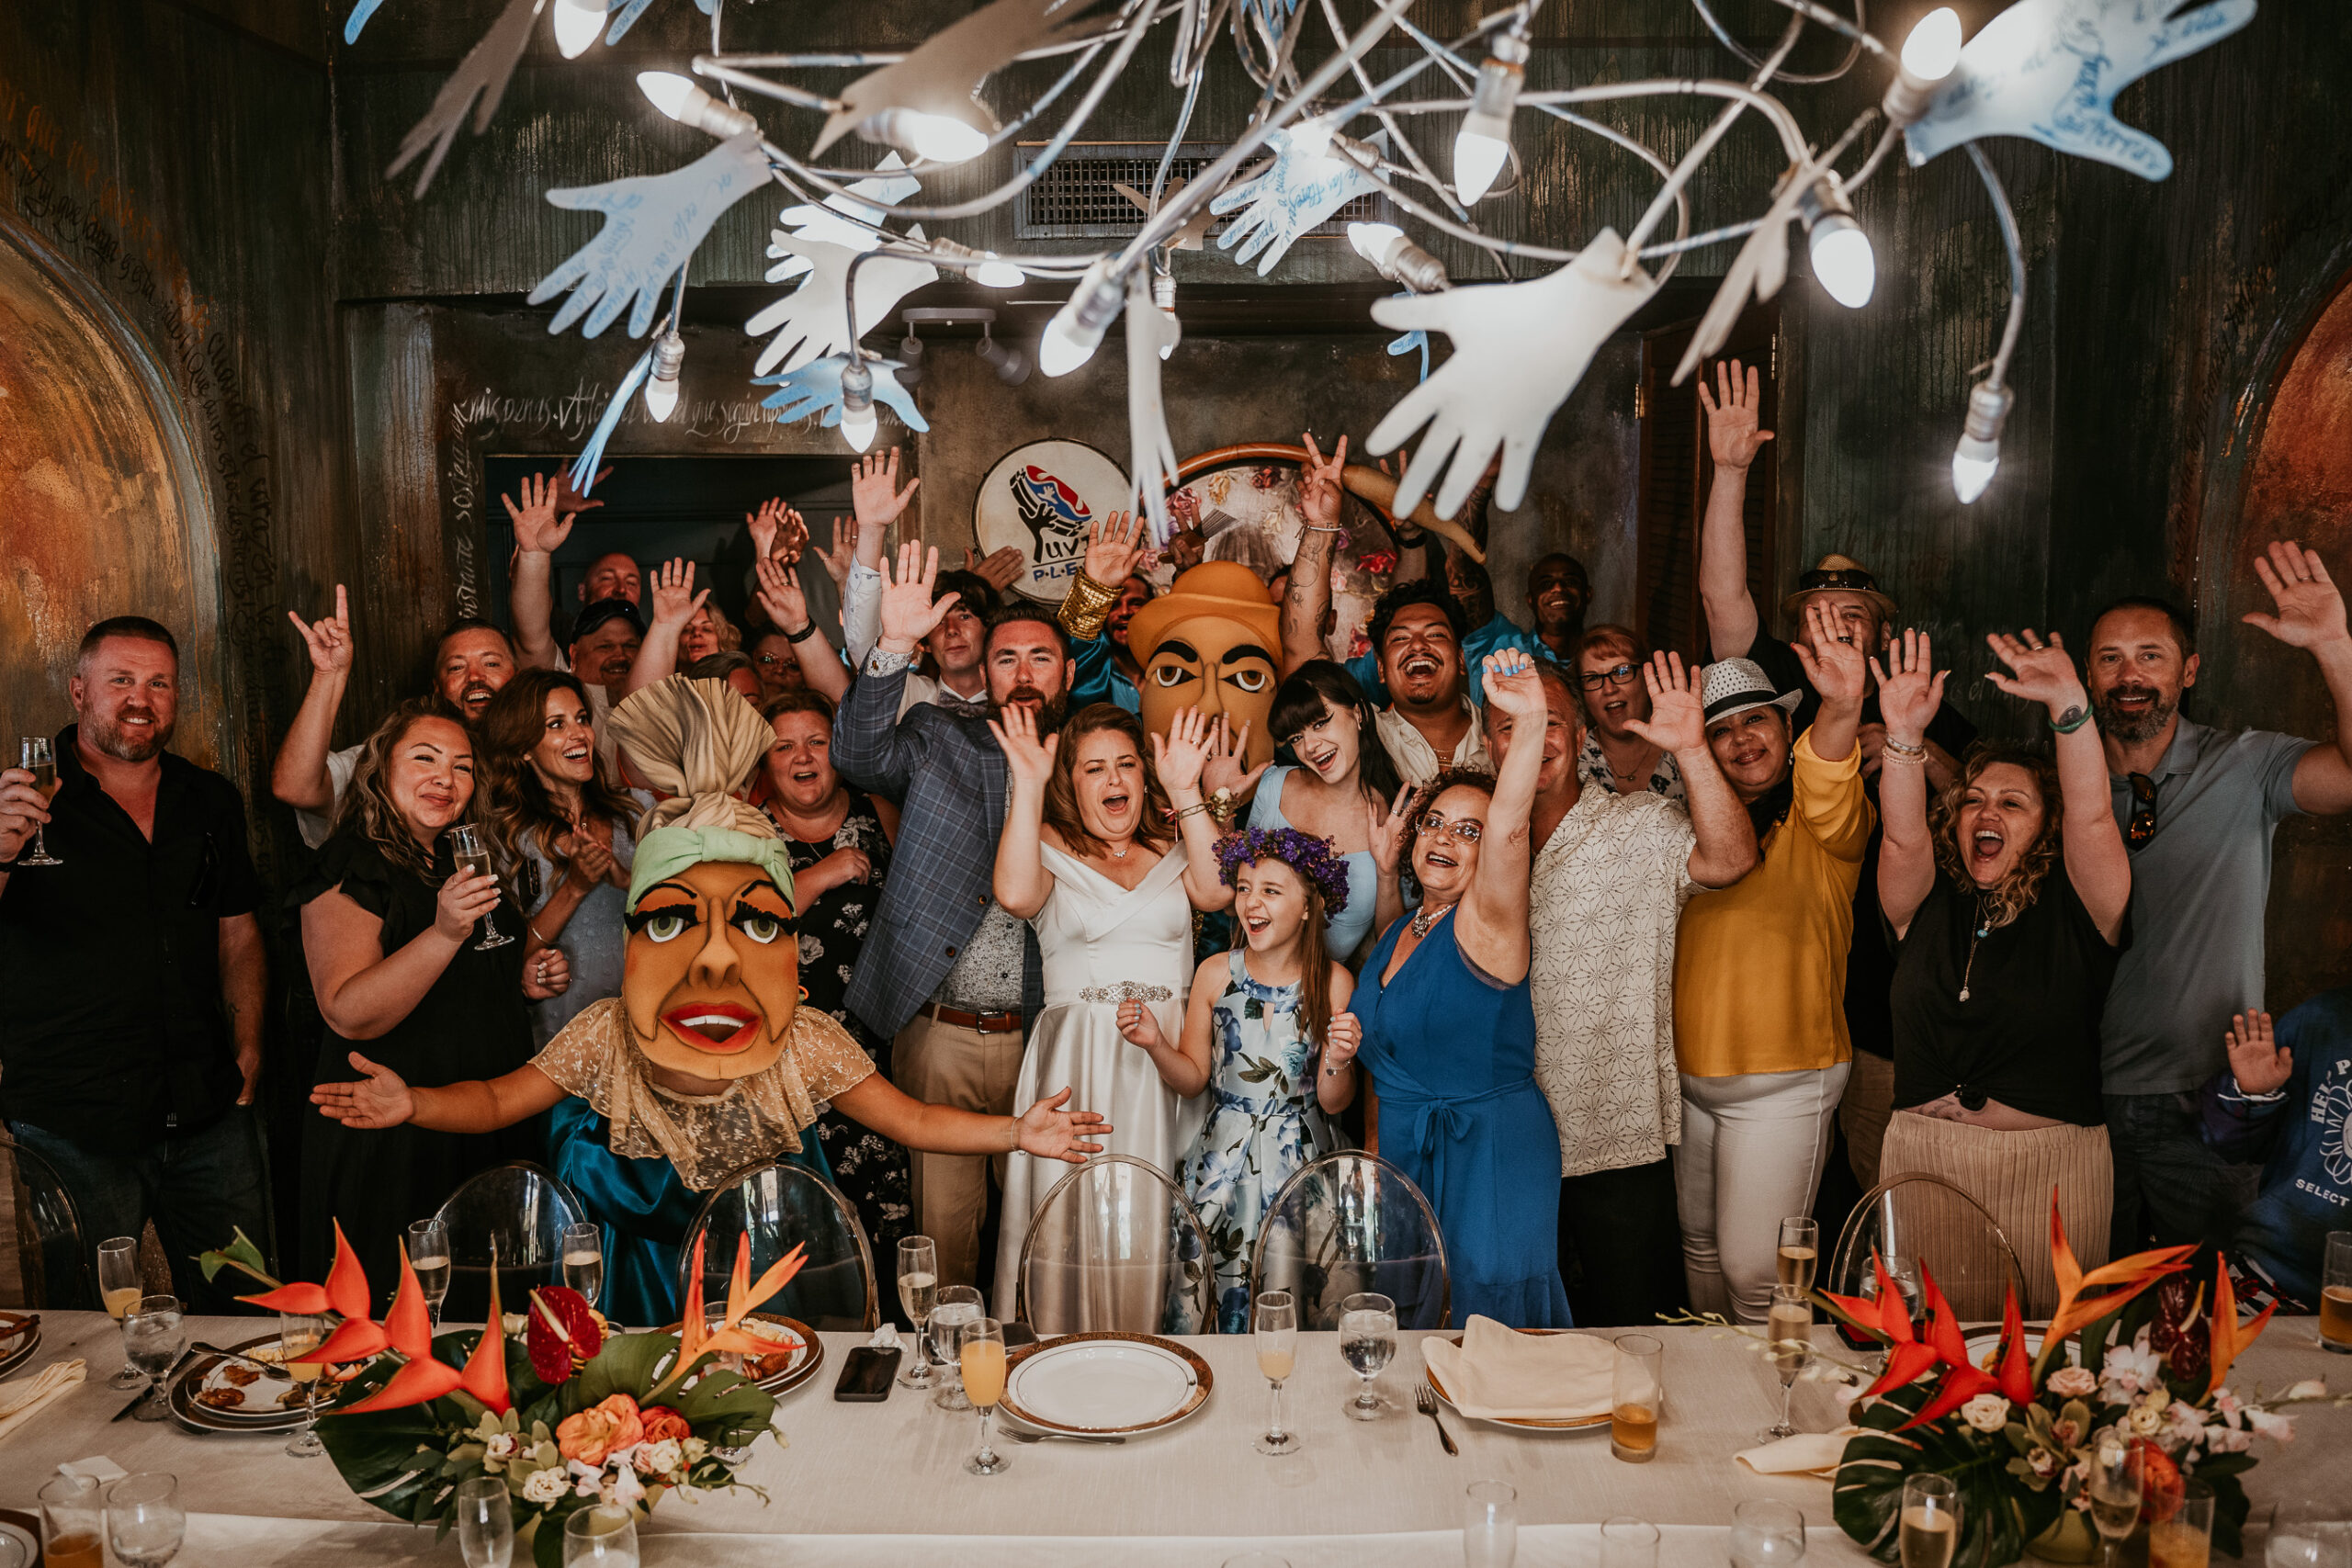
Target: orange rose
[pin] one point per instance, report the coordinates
(592, 1435)
(661, 1422)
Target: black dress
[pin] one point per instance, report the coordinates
(473, 1023)
(871, 1170)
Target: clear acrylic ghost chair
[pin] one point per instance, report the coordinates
(522, 1209)
(48, 1263)
(1913, 1218)
(1353, 1222)
(1114, 1247)
(780, 1207)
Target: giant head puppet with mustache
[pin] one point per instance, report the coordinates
(1213, 642)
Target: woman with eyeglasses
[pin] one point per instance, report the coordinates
(1449, 1030)
(1616, 756)
(1342, 788)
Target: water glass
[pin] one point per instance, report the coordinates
(583, 1260)
(485, 1515)
(73, 1525)
(958, 1306)
(1929, 1521)
(2184, 1537)
(1274, 1322)
(299, 1334)
(34, 755)
(144, 1519)
(1637, 1397)
(1490, 1525)
(1628, 1542)
(918, 1294)
(980, 1351)
(1766, 1535)
(429, 1254)
(119, 1289)
(601, 1534)
(154, 1333)
(2300, 1537)
(2335, 1294)
(1367, 1343)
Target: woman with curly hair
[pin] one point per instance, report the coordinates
(2003, 968)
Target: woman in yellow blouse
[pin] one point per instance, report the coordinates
(1759, 971)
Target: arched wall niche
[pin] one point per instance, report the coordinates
(102, 508)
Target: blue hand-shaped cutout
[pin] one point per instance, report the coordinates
(592, 456)
(815, 388)
(653, 224)
(1412, 339)
(359, 20)
(1300, 191)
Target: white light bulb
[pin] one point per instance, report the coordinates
(662, 389)
(1478, 157)
(1168, 348)
(940, 139)
(670, 92)
(858, 427)
(1373, 240)
(1971, 475)
(1842, 260)
(1067, 345)
(660, 400)
(1076, 331)
(1933, 47)
(998, 275)
(577, 23)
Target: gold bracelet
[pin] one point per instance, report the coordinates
(1086, 607)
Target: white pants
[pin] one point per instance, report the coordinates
(1751, 1155)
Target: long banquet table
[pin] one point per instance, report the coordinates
(872, 1484)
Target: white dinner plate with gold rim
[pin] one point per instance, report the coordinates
(22, 1338)
(1516, 1423)
(1105, 1384)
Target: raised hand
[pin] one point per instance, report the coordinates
(1734, 415)
(1838, 669)
(874, 490)
(1187, 547)
(569, 502)
(1229, 766)
(2256, 1060)
(1677, 721)
(2310, 607)
(907, 613)
(1387, 833)
(2042, 672)
(1318, 482)
(1027, 759)
(541, 524)
(998, 569)
(1910, 689)
(1137, 1026)
(1342, 1040)
(1048, 1131)
(841, 557)
(1178, 756)
(590, 859)
(673, 593)
(780, 595)
(328, 637)
(1513, 687)
(765, 523)
(379, 1099)
(1112, 547)
(549, 975)
(463, 900)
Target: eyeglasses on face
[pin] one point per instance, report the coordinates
(1593, 680)
(2142, 826)
(1466, 831)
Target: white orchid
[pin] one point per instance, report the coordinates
(2130, 1369)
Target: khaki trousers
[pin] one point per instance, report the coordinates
(948, 1065)
(1861, 1115)
(2011, 1176)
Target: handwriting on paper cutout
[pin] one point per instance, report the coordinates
(652, 223)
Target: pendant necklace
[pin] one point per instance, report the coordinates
(1121, 852)
(1424, 918)
(1979, 932)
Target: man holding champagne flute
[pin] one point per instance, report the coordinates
(133, 968)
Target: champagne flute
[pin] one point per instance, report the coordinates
(154, 1333)
(958, 1305)
(980, 1347)
(1799, 1251)
(429, 1254)
(472, 856)
(1490, 1525)
(1787, 1329)
(1931, 1521)
(918, 1293)
(42, 764)
(1367, 1343)
(583, 1260)
(485, 1511)
(119, 1289)
(144, 1519)
(603, 1534)
(299, 1334)
(1274, 1320)
(2115, 1481)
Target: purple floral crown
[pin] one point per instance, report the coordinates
(1311, 857)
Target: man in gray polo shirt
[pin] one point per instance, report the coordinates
(2197, 807)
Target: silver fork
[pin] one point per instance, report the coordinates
(1425, 1401)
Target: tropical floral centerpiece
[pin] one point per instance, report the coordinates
(2119, 1362)
(571, 1417)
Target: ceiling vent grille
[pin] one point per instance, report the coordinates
(1077, 198)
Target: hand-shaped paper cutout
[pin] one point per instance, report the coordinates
(943, 74)
(2049, 70)
(1297, 193)
(817, 387)
(628, 11)
(1151, 455)
(1519, 350)
(1196, 227)
(359, 20)
(813, 320)
(652, 223)
(1761, 266)
(583, 472)
(832, 221)
(1412, 339)
(485, 71)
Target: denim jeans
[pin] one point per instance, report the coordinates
(2169, 1188)
(199, 1188)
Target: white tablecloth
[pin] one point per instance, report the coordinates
(860, 1484)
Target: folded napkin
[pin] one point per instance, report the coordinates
(1500, 1374)
(28, 1397)
(1807, 1453)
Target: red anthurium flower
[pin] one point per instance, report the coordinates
(419, 1383)
(408, 1327)
(1961, 1384)
(485, 1375)
(355, 1339)
(2017, 1380)
(561, 1332)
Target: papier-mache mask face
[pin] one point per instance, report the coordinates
(711, 974)
(1213, 642)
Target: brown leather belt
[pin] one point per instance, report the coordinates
(984, 1023)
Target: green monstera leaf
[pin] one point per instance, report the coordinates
(1998, 1514)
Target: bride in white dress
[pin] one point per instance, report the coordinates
(1089, 858)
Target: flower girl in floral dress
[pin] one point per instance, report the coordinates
(1267, 1033)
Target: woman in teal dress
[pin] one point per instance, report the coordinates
(1448, 1032)
(1342, 789)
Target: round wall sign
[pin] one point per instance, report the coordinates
(1042, 500)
